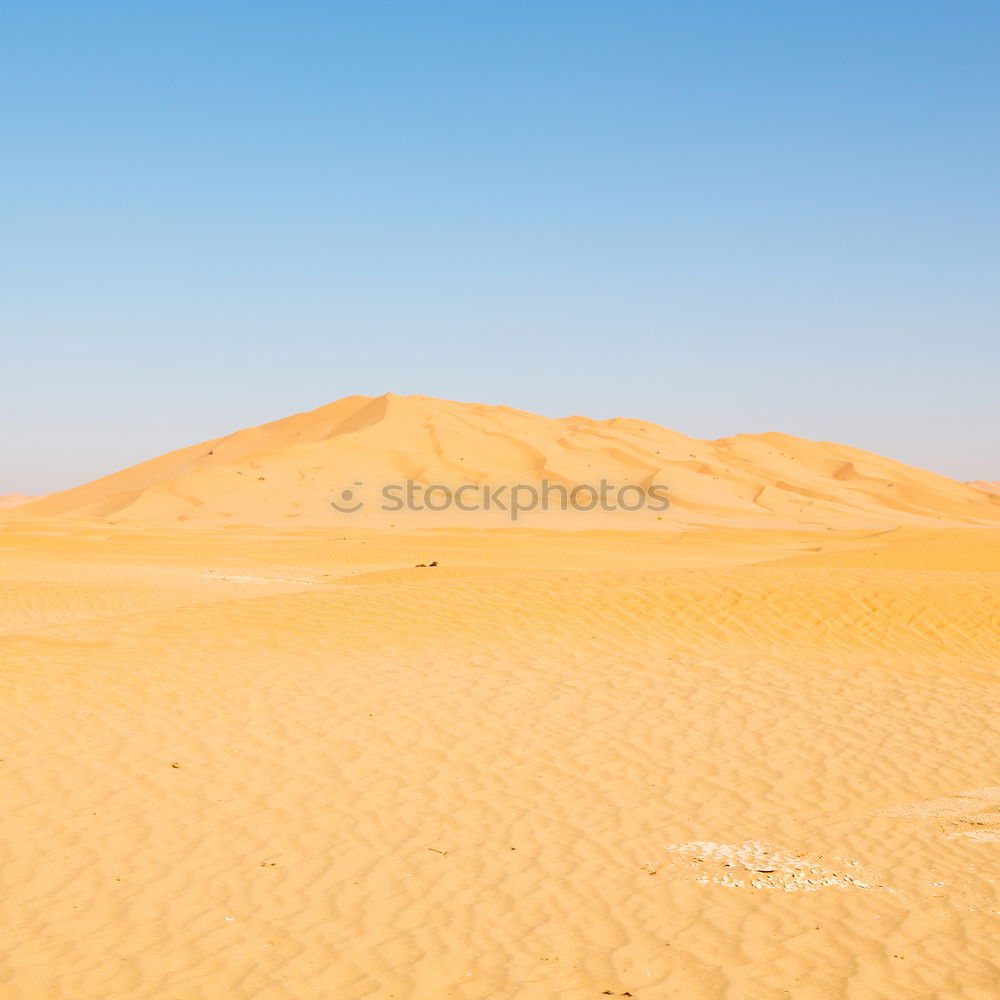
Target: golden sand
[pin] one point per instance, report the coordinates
(14, 500)
(726, 757)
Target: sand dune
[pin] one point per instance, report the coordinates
(289, 470)
(980, 484)
(14, 500)
(746, 753)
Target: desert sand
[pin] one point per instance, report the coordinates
(986, 487)
(745, 748)
(287, 471)
(15, 500)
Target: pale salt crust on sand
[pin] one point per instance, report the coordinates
(748, 760)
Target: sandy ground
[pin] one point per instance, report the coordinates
(288, 764)
(743, 748)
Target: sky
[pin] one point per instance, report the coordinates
(724, 217)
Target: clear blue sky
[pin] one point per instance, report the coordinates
(724, 217)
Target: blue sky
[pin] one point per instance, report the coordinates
(724, 217)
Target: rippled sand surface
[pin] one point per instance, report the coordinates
(284, 765)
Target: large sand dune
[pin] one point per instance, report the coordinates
(733, 755)
(289, 470)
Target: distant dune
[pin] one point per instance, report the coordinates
(980, 484)
(288, 471)
(14, 500)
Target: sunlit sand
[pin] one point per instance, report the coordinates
(745, 748)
